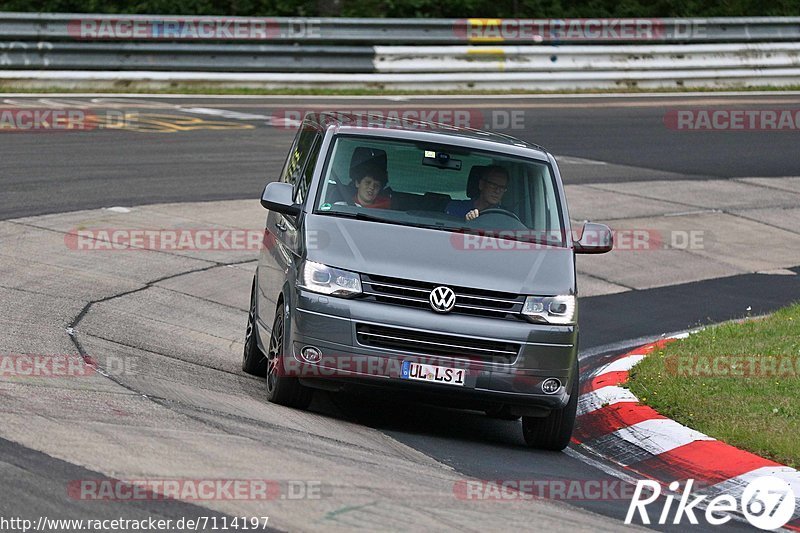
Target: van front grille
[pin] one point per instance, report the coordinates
(408, 293)
(436, 344)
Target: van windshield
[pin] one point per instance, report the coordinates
(443, 187)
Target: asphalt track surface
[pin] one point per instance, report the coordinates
(49, 173)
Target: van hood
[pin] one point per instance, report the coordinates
(440, 257)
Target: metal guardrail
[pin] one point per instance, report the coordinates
(587, 58)
(61, 27)
(403, 54)
(186, 57)
(399, 59)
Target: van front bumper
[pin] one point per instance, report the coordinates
(331, 324)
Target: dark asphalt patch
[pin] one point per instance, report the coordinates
(633, 314)
(35, 484)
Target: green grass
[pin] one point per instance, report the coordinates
(134, 88)
(755, 410)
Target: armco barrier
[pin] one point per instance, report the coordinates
(420, 54)
(56, 26)
(586, 58)
(188, 57)
(402, 59)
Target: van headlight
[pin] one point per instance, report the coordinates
(551, 309)
(317, 277)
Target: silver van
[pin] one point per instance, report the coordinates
(433, 260)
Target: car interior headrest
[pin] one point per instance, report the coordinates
(364, 156)
(475, 174)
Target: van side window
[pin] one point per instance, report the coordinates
(298, 154)
(304, 183)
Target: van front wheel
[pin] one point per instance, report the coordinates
(283, 389)
(554, 431)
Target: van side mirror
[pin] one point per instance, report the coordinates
(595, 239)
(278, 197)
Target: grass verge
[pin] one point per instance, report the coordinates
(736, 382)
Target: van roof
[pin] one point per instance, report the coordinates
(374, 121)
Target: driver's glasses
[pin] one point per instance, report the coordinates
(497, 187)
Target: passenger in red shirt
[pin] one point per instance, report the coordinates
(369, 184)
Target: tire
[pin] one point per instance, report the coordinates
(281, 389)
(554, 431)
(253, 359)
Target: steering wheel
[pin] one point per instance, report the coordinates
(500, 211)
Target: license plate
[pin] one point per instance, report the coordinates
(433, 373)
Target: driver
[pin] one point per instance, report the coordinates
(492, 186)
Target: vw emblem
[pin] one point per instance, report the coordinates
(442, 299)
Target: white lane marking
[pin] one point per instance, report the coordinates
(777, 272)
(620, 365)
(224, 113)
(555, 96)
(694, 212)
(786, 473)
(570, 160)
(126, 102)
(592, 401)
(284, 122)
(659, 435)
(735, 486)
(48, 103)
(631, 344)
(117, 209)
(55, 103)
(107, 103)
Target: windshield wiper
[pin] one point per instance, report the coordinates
(358, 216)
